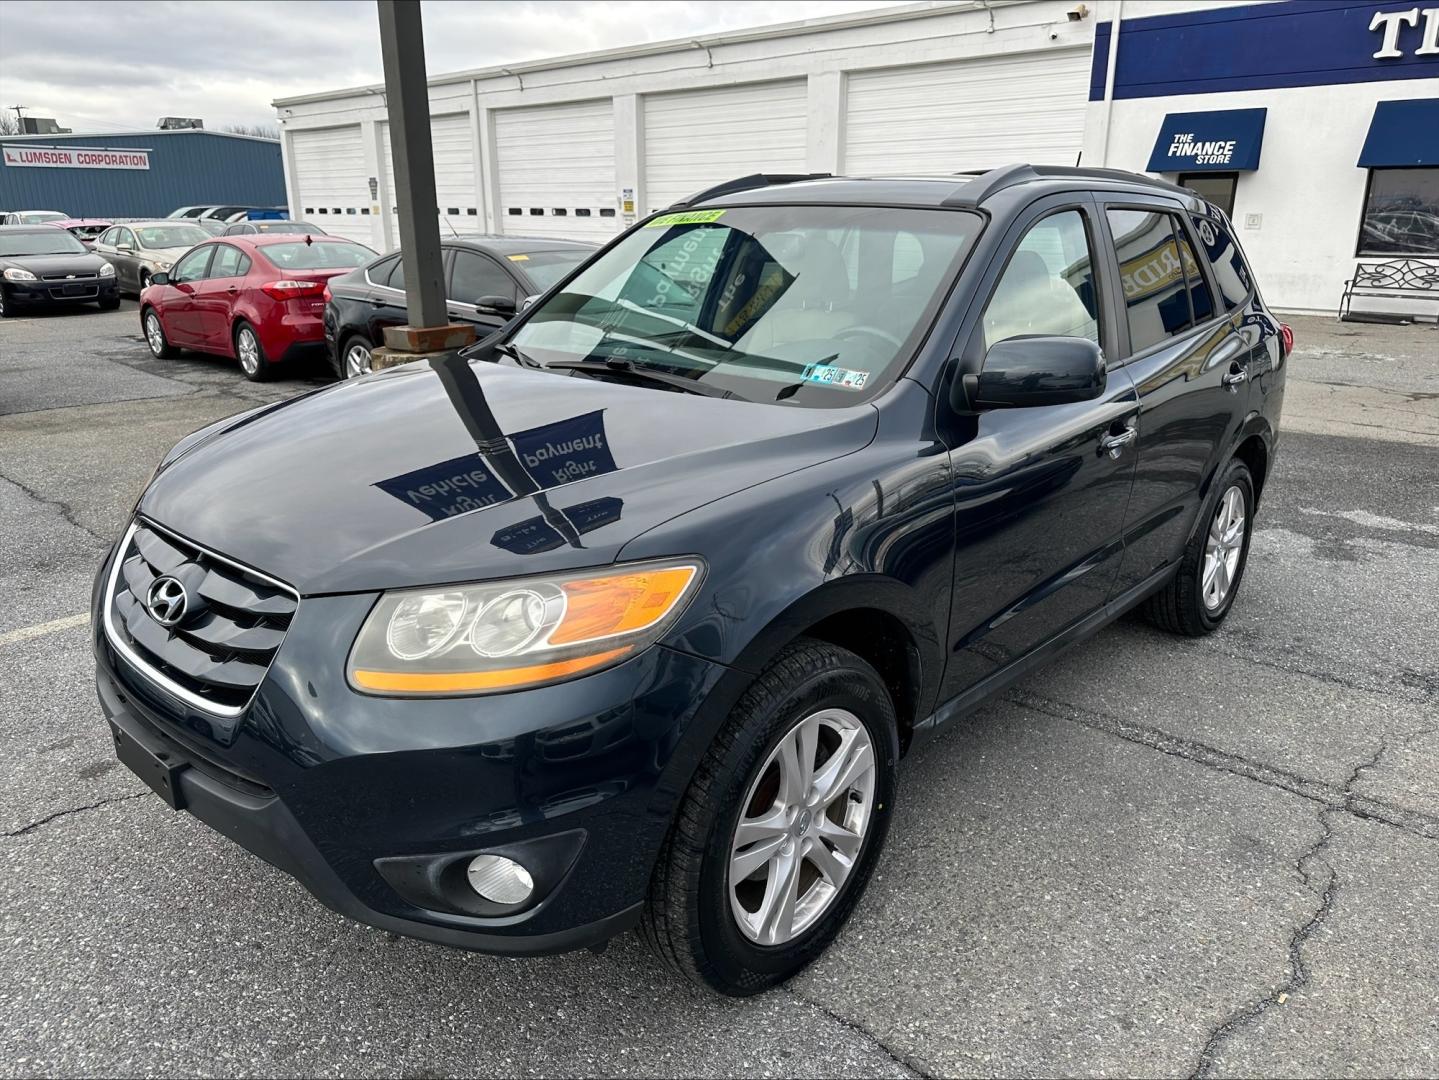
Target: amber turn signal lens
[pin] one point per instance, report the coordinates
(608, 606)
(460, 682)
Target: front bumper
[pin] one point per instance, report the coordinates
(350, 794)
(32, 293)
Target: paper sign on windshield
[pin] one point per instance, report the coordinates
(688, 217)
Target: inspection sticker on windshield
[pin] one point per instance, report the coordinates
(843, 378)
(688, 217)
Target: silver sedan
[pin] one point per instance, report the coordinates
(140, 249)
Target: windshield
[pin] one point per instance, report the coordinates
(39, 217)
(321, 255)
(810, 305)
(545, 268)
(87, 232)
(171, 236)
(46, 242)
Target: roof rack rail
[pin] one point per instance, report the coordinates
(747, 183)
(974, 192)
(1109, 174)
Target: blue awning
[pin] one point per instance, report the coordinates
(1402, 133)
(1225, 140)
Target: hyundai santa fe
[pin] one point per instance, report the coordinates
(624, 617)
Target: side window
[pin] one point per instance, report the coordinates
(1048, 286)
(380, 272)
(1201, 300)
(227, 262)
(1231, 273)
(396, 280)
(475, 276)
(124, 238)
(244, 267)
(1155, 296)
(192, 266)
(107, 237)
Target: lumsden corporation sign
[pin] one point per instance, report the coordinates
(75, 157)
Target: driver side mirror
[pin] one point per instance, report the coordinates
(161, 278)
(1023, 372)
(496, 305)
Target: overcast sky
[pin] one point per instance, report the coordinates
(121, 64)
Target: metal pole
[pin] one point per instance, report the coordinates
(402, 48)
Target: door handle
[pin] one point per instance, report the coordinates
(1114, 443)
(232, 289)
(1235, 375)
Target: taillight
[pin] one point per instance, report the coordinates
(292, 290)
(1286, 335)
(326, 294)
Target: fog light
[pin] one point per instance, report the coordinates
(499, 879)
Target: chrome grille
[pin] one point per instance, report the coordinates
(234, 620)
(68, 277)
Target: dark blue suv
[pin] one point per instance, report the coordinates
(625, 618)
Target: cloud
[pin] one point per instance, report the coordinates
(119, 66)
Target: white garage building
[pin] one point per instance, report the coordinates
(579, 146)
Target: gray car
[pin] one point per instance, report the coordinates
(140, 249)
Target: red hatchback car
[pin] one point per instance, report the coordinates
(258, 299)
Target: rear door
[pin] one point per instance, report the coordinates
(384, 299)
(1040, 492)
(1180, 346)
(216, 295)
(474, 275)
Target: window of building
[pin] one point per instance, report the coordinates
(1155, 275)
(1217, 187)
(1401, 213)
(1048, 286)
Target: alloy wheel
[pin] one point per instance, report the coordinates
(802, 827)
(153, 334)
(1222, 548)
(357, 360)
(249, 349)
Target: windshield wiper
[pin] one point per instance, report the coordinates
(643, 373)
(508, 349)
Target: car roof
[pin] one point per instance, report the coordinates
(44, 228)
(142, 223)
(952, 191)
(505, 245)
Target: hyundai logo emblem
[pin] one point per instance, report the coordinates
(167, 600)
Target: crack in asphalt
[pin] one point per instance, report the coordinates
(24, 829)
(904, 1061)
(1299, 971)
(66, 511)
(1413, 822)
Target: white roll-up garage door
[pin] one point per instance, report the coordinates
(556, 168)
(973, 114)
(456, 190)
(334, 191)
(702, 137)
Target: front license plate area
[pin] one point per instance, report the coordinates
(158, 767)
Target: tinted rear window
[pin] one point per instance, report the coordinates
(321, 255)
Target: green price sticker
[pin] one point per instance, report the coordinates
(689, 217)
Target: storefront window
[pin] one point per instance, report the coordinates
(1401, 213)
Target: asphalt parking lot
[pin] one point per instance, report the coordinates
(1158, 857)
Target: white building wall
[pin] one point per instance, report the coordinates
(824, 53)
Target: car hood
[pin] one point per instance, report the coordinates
(471, 471)
(70, 263)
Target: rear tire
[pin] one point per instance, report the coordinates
(1199, 596)
(253, 363)
(155, 336)
(353, 358)
(727, 935)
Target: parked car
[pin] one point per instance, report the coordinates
(486, 279)
(41, 265)
(257, 299)
(32, 217)
(190, 211)
(223, 214)
(140, 249)
(84, 230)
(252, 227)
(212, 226)
(626, 617)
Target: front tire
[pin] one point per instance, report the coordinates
(155, 337)
(248, 350)
(111, 304)
(780, 829)
(1199, 596)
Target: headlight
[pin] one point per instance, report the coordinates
(161, 265)
(16, 274)
(107, 270)
(505, 635)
